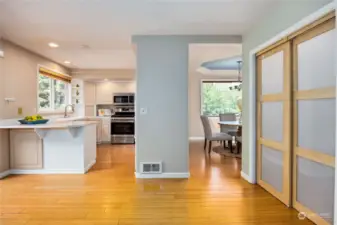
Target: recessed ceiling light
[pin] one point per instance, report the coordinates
(53, 45)
(67, 62)
(85, 46)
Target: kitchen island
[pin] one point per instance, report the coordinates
(57, 147)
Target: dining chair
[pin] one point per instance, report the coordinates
(230, 130)
(210, 136)
(238, 144)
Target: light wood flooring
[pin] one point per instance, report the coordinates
(110, 195)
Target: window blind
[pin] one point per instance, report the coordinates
(55, 75)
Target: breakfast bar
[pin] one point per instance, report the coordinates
(57, 147)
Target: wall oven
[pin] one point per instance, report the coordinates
(120, 99)
(123, 128)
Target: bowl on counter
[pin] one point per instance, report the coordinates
(33, 122)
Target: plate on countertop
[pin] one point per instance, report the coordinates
(33, 122)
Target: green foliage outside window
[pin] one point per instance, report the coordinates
(218, 98)
(52, 93)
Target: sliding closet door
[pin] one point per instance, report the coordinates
(314, 122)
(273, 122)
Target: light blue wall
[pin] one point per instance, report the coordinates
(283, 16)
(162, 88)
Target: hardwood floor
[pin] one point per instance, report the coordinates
(110, 195)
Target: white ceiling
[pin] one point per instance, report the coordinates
(107, 25)
(200, 53)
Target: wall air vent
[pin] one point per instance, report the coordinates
(151, 167)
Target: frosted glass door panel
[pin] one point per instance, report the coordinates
(316, 62)
(272, 74)
(272, 167)
(315, 187)
(272, 121)
(316, 125)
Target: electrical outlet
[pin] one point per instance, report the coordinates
(20, 111)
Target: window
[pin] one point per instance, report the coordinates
(219, 97)
(53, 92)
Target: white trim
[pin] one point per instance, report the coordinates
(91, 164)
(252, 75)
(162, 176)
(4, 174)
(42, 171)
(196, 138)
(246, 177)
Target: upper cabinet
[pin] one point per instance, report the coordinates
(104, 91)
(89, 93)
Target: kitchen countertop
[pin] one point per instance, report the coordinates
(52, 124)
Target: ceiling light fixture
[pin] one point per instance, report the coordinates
(53, 45)
(67, 62)
(106, 79)
(85, 46)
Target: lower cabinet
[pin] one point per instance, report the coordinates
(4, 150)
(25, 150)
(106, 130)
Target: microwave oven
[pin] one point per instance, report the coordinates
(123, 99)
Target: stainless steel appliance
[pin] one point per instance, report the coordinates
(120, 99)
(123, 125)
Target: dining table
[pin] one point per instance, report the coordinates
(237, 124)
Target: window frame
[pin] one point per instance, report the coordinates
(212, 81)
(52, 95)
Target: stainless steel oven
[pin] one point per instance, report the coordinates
(120, 99)
(123, 127)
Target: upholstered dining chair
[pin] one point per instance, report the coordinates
(210, 136)
(228, 129)
(238, 144)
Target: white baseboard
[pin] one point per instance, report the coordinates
(196, 138)
(162, 175)
(44, 171)
(47, 171)
(93, 162)
(5, 174)
(246, 177)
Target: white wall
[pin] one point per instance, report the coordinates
(162, 88)
(20, 78)
(286, 14)
(199, 53)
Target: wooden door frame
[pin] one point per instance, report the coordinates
(285, 147)
(249, 95)
(321, 93)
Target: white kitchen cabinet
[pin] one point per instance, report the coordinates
(105, 90)
(106, 127)
(89, 110)
(25, 150)
(4, 150)
(89, 93)
(98, 127)
(99, 131)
